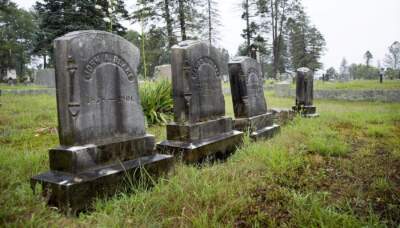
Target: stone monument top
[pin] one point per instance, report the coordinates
(97, 88)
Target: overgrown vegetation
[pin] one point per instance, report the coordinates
(340, 170)
(157, 101)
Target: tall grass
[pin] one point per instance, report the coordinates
(156, 98)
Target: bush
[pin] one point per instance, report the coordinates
(157, 102)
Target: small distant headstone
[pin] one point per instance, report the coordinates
(249, 105)
(200, 128)
(305, 93)
(45, 77)
(101, 122)
(163, 72)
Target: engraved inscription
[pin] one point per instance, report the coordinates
(104, 58)
(119, 100)
(254, 83)
(204, 61)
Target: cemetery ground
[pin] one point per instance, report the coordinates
(339, 170)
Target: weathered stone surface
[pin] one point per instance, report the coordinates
(199, 106)
(247, 87)
(283, 116)
(163, 72)
(305, 93)
(45, 77)
(97, 96)
(248, 98)
(101, 122)
(73, 193)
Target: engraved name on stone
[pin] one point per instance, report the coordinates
(107, 58)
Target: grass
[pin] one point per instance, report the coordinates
(20, 87)
(340, 170)
(357, 85)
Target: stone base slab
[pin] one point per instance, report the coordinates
(198, 131)
(266, 133)
(197, 151)
(72, 193)
(306, 111)
(254, 123)
(283, 116)
(76, 159)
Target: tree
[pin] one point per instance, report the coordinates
(56, 18)
(392, 60)
(155, 54)
(361, 71)
(331, 74)
(368, 56)
(249, 13)
(306, 43)
(277, 13)
(213, 21)
(17, 30)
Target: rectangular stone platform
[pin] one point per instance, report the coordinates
(261, 126)
(266, 133)
(306, 111)
(199, 150)
(72, 193)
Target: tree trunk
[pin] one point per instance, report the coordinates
(248, 27)
(168, 20)
(44, 61)
(209, 23)
(182, 19)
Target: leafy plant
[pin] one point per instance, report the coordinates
(157, 103)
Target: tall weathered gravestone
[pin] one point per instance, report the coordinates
(100, 121)
(248, 98)
(305, 93)
(200, 128)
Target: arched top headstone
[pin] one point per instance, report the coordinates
(97, 88)
(196, 79)
(304, 86)
(247, 87)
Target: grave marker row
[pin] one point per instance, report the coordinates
(102, 126)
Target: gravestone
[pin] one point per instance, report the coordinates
(249, 105)
(200, 128)
(162, 72)
(305, 93)
(101, 124)
(45, 77)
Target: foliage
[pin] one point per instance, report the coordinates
(56, 18)
(360, 71)
(368, 57)
(306, 43)
(155, 51)
(392, 60)
(17, 29)
(156, 100)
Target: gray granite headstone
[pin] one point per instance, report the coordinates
(100, 119)
(250, 107)
(200, 128)
(45, 77)
(305, 92)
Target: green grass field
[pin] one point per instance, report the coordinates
(340, 170)
(20, 87)
(357, 85)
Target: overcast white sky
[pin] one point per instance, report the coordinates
(350, 27)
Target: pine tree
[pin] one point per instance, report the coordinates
(57, 18)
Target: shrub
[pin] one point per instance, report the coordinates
(157, 102)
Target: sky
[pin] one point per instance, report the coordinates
(350, 27)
